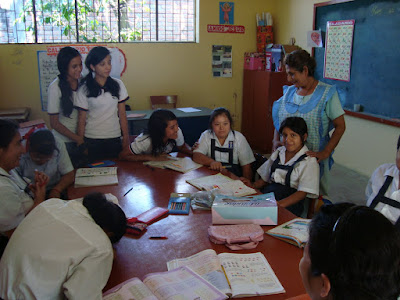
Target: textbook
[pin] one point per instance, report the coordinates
(96, 176)
(183, 165)
(294, 232)
(236, 275)
(226, 185)
(181, 283)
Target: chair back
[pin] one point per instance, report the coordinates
(163, 101)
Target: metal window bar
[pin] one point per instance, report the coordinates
(147, 20)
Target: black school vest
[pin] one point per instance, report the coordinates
(234, 168)
(380, 197)
(277, 165)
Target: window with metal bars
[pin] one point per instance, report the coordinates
(94, 21)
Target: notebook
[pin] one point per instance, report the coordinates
(96, 176)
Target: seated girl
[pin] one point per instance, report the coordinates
(353, 252)
(383, 189)
(221, 147)
(18, 197)
(289, 172)
(48, 155)
(163, 134)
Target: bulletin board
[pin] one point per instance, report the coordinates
(48, 71)
(374, 83)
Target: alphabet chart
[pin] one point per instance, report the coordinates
(338, 49)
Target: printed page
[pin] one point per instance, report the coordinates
(181, 283)
(96, 176)
(88, 172)
(208, 183)
(132, 289)
(250, 274)
(183, 165)
(205, 263)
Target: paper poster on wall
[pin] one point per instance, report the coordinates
(338, 49)
(314, 38)
(222, 61)
(226, 13)
(48, 71)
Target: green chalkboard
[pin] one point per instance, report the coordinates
(375, 65)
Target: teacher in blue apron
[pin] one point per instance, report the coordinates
(318, 104)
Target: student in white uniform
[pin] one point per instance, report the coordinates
(289, 172)
(162, 136)
(62, 250)
(383, 189)
(48, 155)
(101, 103)
(353, 252)
(17, 197)
(222, 147)
(60, 106)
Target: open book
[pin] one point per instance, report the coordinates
(181, 283)
(294, 232)
(237, 275)
(96, 176)
(226, 185)
(184, 164)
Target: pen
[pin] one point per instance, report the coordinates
(158, 238)
(128, 191)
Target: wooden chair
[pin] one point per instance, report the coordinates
(163, 101)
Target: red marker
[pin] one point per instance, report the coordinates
(158, 238)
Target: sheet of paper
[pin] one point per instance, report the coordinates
(205, 263)
(181, 283)
(188, 109)
(131, 289)
(250, 274)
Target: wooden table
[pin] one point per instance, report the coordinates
(192, 124)
(187, 234)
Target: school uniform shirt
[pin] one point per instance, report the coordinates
(242, 153)
(14, 202)
(57, 252)
(54, 108)
(393, 192)
(102, 121)
(143, 145)
(59, 165)
(305, 175)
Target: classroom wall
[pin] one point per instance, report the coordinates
(154, 68)
(365, 144)
(185, 69)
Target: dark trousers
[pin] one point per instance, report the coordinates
(100, 149)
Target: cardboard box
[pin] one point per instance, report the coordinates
(275, 54)
(254, 61)
(265, 36)
(259, 209)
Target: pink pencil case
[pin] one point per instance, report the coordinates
(236, 237)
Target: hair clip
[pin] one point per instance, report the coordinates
(334, 226)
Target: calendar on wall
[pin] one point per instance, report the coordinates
(338, 49)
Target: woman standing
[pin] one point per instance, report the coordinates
(61, 95)
(318, 104)
(101, 103)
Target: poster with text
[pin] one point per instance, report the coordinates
(338, 49)
(222, 61)
(226, 13)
